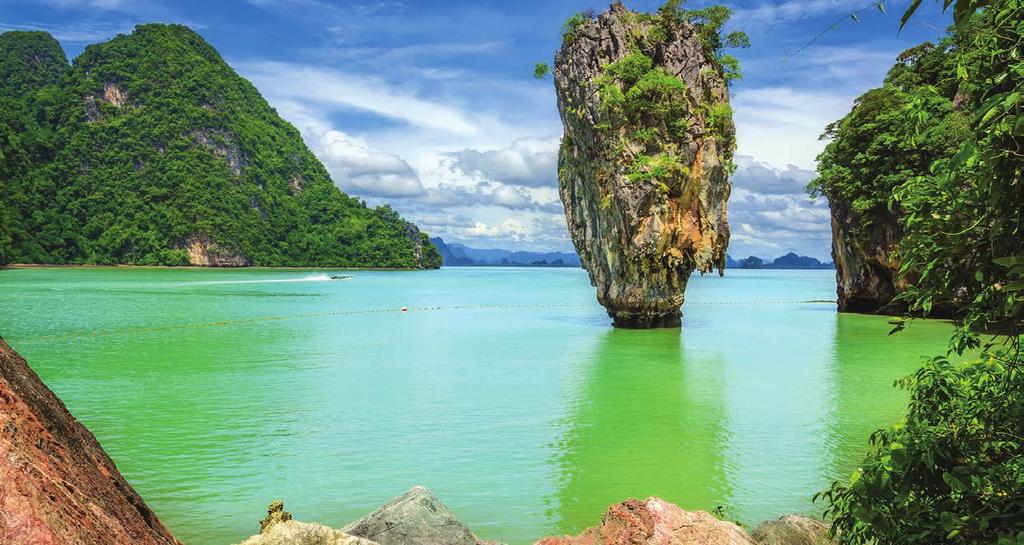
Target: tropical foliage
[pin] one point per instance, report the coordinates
(151, 139)
(878, 146)
(953, 471)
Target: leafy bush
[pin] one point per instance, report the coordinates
(572, 24)
(659, 168)
(878, 146)
(540, 70)
(953, 472)
(657, 93)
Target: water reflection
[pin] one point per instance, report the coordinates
(704, 417)
(866, 361)
(644, 422)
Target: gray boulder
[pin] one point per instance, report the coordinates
(415, 518)
(792, 530)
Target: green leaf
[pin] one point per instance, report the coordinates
(909, 13)
(953, 482)
(1016, 285)
(1009, 261)
(880, 6)
(962, 10)
(854, 17)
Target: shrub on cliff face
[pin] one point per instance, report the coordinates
(953, 471)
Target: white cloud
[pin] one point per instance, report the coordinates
(527, 162)
(760, 177)
(781, 125)
(770, 213)
(482, 194)
(335, 88)
(771, 13)
(365, 171)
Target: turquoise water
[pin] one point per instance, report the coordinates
(503, 390)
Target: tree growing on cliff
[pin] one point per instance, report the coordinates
(953, 471)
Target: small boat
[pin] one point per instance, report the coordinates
(341, 277)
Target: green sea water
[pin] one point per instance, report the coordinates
(503, 390)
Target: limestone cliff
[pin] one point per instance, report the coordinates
(866, 269)
(871, 152)
(57, 486)
(645, 158)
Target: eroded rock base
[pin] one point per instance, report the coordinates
(627, 320)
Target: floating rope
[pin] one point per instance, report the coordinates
(79, 335)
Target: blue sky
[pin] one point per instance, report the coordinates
(432, 107)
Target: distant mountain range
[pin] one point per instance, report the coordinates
(459, 255)
(788, 261)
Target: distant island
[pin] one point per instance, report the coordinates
(788, 261)
(454, 254)
(459, 255)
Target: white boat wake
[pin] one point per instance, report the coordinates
(307, 278)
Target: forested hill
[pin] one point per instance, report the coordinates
(150, 149)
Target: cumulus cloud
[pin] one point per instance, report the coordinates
(531, 162)
(524, 233)
(360, 169)
(782, 124)
(760, 177)
(482, 194)
(770, 214)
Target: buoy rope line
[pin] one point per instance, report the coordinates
(78, 335)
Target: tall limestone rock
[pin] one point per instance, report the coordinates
(57, 486)
(645, 158)
(867, 268)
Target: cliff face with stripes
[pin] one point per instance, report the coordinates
(57, 485)
(645, 156)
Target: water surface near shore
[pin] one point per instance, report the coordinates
(503, 390)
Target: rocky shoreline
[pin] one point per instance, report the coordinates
(418, 517)
(58, 487)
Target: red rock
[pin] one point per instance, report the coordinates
(57, 486)
(655, 522)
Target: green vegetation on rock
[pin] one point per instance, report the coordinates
(150, 149)
(646, 106)
(878, 146)
(953, 470)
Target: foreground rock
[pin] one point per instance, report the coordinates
(275, 515)
(644, 162)
(655, 522)
(792, 530)
(57, 486)
(417, 517)
(304, 533)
